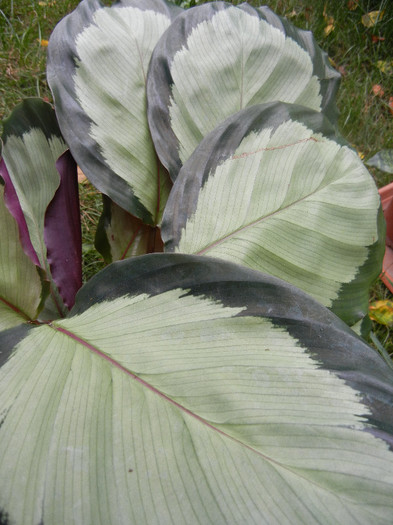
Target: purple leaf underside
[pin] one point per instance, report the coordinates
(62, 232)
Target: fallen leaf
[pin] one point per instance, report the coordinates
(329, 21)
(44, 43)
(381, 312)
(376, 38)
(386, 66)
(378, 90)
(342, 70)
(352, 5)
(307, 13)
(292, 14)
(372, 18)
(330, 26)
(81, 176)
(11, 72)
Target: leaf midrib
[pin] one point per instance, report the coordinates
(15, 309)
(253, 223)
(155, 390)
(162, 395)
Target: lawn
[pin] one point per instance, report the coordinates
(358, 36)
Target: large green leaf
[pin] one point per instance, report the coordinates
(21, 290)
(273, 189)
(32, 144)
(217, 59)
(187, 390)
(97, 65)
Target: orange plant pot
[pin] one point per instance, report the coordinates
(386, 194)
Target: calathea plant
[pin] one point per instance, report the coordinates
(214, 382)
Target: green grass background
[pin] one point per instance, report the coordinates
(357, 51)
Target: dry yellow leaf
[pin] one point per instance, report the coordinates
(378, 90)
(329, 21)
(386, 66)
(81, 176)
(330, 26)
(381, 312)
(292, 14)
(372, 18)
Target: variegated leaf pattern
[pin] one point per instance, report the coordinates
(217, 59)
(21, 289)
(36, 189)
(273, 189)
(97, 65)
(197, 391)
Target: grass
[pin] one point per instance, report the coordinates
(23, 25)
(365, 119)
(356, 50)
